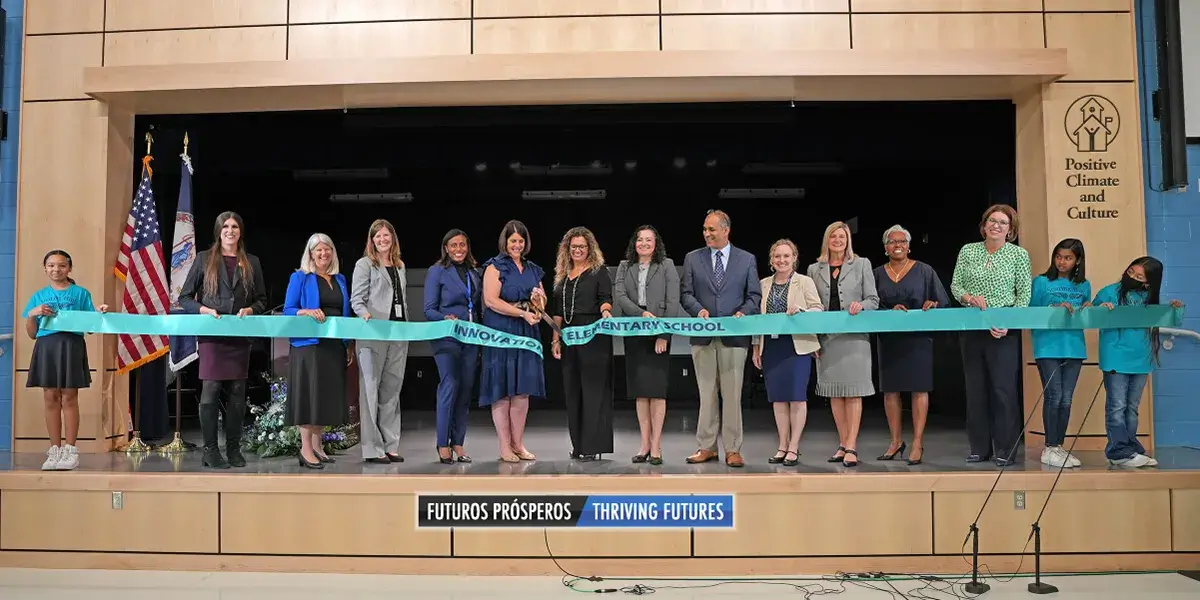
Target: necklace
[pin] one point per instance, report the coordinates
(569, 316)
(896, 277)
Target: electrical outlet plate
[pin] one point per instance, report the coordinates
(118, 500)
(1019, 500)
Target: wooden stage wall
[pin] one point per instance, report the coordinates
(1096, 521)
(77, 153)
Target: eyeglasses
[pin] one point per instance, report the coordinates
(997, 222)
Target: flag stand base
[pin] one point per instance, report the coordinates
(136, 444)
(177, 446)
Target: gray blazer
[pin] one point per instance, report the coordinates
(740, 291)
(856, 283)
(371, 291)
(662, 290)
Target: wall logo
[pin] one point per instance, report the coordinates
(1092, 123)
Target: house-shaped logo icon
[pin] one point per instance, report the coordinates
(1092, 123)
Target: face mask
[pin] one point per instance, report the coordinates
(1130, 283)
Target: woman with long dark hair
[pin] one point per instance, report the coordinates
(1059, 353)
(224, 280)
(1127, 358)
(454, 291)
(647, 285)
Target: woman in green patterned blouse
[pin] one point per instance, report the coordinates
(993, 273)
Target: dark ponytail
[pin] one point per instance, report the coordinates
(62, 253)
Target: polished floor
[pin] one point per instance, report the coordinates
(546, 437)
(37, 584)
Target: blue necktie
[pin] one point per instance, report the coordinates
(470, 300)
(719, 271)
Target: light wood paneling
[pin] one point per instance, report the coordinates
(63, 16)
(59, 211)
(759, 518)
(335, 11)
(269, 524)
(1088, 5)
(945, 6)
(54, 65)
(571, 34)
(1100, 46)
(1082, 166)
(1090, 380)
(767, 32)
(1185, 520)
(565, 542)
(1075, 521)
(379, 40)
(86, 520)
(195, 46)
(485, 9)
(753, 6)
(131, 15)
(29, 419)
(947, 31)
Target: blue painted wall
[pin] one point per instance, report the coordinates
(1172, 232)
(8, 206)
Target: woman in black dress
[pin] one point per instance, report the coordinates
(906, 359)
(317, 366)
(224, 280)
(647, 285)
(582, 296)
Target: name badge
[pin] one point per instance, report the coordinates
(399, 311)
(774, 336)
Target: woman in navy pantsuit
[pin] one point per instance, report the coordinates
(452, 291)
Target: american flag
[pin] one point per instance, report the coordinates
(140, 267)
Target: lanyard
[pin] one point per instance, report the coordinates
(470, 299)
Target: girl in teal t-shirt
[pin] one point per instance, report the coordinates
(1127, 357)
(1059, 354)
(59, 364)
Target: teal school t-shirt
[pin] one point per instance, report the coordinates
(1124, 350)
(1059, 343)
(72, 298)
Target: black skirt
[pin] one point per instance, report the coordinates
(317, 384)
(646, 372)
(59, 361)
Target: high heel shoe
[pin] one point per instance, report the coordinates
(312, 465)
(899, 452)
(641, 458)
(915, 457)
(445, 460)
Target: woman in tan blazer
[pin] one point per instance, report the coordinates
(787, 363)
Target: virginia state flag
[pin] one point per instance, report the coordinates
(183, 254)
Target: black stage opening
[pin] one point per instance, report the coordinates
(779, 170)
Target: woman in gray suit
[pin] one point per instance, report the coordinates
(648, 286)
(378, 291)
(844, 282)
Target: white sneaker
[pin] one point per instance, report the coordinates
(1137, 460)
(51, 463)
(68, 458)
(1072, 462)
(1150, 462)
(1056, 456)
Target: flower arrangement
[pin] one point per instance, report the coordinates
(267, 436)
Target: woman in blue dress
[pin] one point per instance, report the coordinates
(513, 299)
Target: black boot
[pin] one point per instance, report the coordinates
(208, 425)
(233, 424)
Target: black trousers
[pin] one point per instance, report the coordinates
(992, 369)
(210, 407)
(587, 386)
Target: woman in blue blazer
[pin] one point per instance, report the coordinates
(316, 385)
(453, 291)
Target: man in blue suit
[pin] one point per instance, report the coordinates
(719, 280)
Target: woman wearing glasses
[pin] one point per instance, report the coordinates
(993, 273)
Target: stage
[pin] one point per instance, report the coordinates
(355, 517)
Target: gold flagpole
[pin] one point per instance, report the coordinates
(177, 445)
(136, 445)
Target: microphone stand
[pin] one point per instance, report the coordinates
(1038, 586)
(975, 586)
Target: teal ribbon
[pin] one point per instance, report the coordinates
(871, 321)
(280, 326)
(884, 321)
